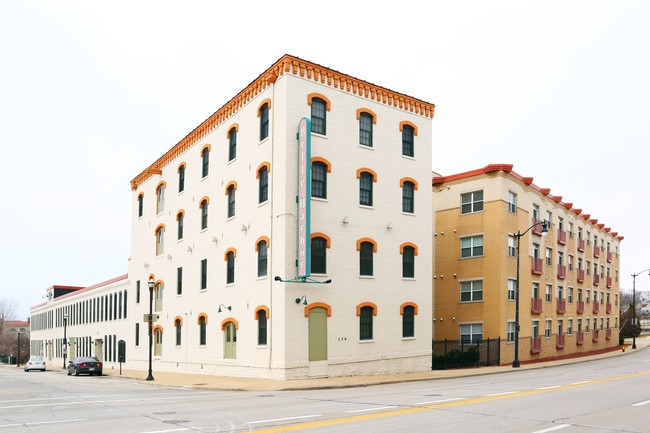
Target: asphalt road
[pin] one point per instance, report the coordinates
(605, 395)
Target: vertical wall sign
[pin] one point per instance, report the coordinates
(304, 197)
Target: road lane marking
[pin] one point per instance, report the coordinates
(501, 393)
(438, 401)
(581, 383)
(440, 405)
(26, 424)
(291, 418)
(140, 399)
(561, 426)
(549, 387)
(641, 403)
(371, 409)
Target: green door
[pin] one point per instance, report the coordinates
(318, 334)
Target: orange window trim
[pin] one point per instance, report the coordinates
(311, 97)
(264, 164)
(205, 199)
(230, 250)
(159, 282)
(263, 238)
(182, 164)
(180, 213)
(234, 126)
(321, 235)
(226, 321)
(259, 108)
(367, 304)
(372, 241)
(408, 304)
(158, 328)
(198, 318)
(408, 179)
(161, 183)
(367, 111)
(178, 319)
(327, 307)
(408, 244)
(261, 308)
(366, 170)
(160, 226)
(322, 160)
(232, 183)
(412, 125)
(140, 196)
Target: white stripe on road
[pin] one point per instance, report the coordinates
(371, 409)
(439, 401)
(167, 431)
(641, 403)
(580, 383)
(502, 393)
(281, 419)
(26, 424)
(100, 401)
(549, 387)
(561, 426)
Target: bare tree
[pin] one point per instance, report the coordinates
(8, 309)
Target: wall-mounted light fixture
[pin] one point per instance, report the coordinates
(303, 298)
(345, 220)
(229, 308)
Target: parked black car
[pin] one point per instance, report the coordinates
(85, 365)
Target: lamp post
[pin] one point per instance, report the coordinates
(65, 338)
(634, 306)
(18, 359)
(151, 284)
(518, 235)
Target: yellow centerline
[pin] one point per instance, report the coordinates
(408, 410)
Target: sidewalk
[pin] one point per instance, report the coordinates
(200, 381)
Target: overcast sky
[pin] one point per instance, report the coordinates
(92, 92)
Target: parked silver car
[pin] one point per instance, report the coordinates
(35, 363)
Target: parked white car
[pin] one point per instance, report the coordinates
(35, 363)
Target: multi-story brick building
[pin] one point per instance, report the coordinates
(568, 280)
(274, 251)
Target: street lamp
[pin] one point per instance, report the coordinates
(151, 284)
(18, 360)
(65, 338)
(634, 306)
(518, 235)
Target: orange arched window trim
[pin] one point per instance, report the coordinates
(178, 319)
(261, 308)
(327, 307)
(161, 183)
(198, 318)
(408, 179)
(234, 126)
(205, 199)
(408, 304)
(372, 241)
(328, 241)
(158, 328)
(227, 320)
(141, 196)
(259, 107)
(408, 244)
(180, 212)
(159, 282)
(230, 250)
(366, 170)
(323, 161)
(367, 304)
(159, 226)
(264, 164)
(207, 146)
(367, 111)
(182, 164)
(232, 183)
(311, 97)
(263, 238)
(412, 125)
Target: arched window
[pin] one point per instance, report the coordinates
(232, 144)
(203, 321)
(181, 177)
(160, 198)
(367, 248)
(408, 197)
(261, 316)
(319, 245)
(230, 340)
(366, 180)
(178, 326)
(204, 214)
(140, 204)
(366, 313)
(409, 311)
(230, 266)
(158, 337)
(205, 161)
(318, 116)
(264, 121)
(231, 200)
(160, 240)
(263, 176)
(319, 179)
(407, 140)
(180, 217)
(262, 258)
(365, 129)
(408, 251)
(158, 288)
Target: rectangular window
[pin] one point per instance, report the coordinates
(205, 162)
(177, 325)
(137, 334)
(471, 291)
(549, 257)
(204, 274)
(569, 327)
(264, 121)
(263, 185)
(407, 141)
(140, 205)
(204, 214)
(408, 322)
(547, 328)
(231, 201)
(181, 178)
(261, 259)
(366, 259)
(230, 271)
(179, 281)
(180, 221)
(137, 292)
(511, 332)
(365, 189)
(318, 116)
(202, 331)
(471, 246)
(569, 296)
(261, 328)
(408, 199)
(512, 246)
(318, 255)
(365, 129)
(534, 330)
(408, 262)
(232, 145)
(512, 285)
(548, 293)
(512, 202)
(319, 180)
(471, 333)
(471, 202)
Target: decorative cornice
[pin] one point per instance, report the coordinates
(294, 66)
